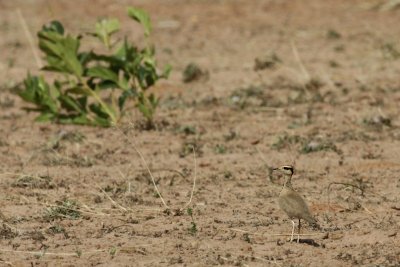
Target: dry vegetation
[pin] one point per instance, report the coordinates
(255, 84)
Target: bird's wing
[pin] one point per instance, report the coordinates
(294, 204)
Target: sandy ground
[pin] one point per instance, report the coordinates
(327, 102)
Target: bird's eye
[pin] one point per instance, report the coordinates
(286, 168)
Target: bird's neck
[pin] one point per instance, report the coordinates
(288, 181)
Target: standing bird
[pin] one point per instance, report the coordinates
(292, 202)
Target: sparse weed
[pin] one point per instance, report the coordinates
(314, 84)
(66, 209)
(187, 129)
(34, 181)
(116, 189)
(390, 51)
(246, 237)
(192, 73)
(267, 62)
(227, 174)
(308, 92)
(156, 195)
(6, 102)
(54, 159)
(79, 93)
(230, 136)
(339, 48)
(314, 146)
(306, 145)
(249, 96)
(220, 149)
(57, 229)
(187, 148)
(332, 34)
(208, 101)
(371, 155)
(112, 251)
(286, 141)
(193, 228)
(36, 235)
(78, 252)
(3, 142)
(7, 233)
(361, 184)
(305, 120)
(333, 64)
(358, 136)
(71, 136)
(377, 122)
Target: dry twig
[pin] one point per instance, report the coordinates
(112, 200)
(30, 39)
(340, 183)
(264, 234)
(147, 168)
(194, 179)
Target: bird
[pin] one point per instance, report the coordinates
(292, 203)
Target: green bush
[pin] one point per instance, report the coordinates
(92, 88)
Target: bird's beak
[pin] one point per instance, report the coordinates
(275, 169)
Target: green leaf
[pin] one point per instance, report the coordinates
(105, 28)
(85, 57)
(39, 92)
(78, 91)
(75, 119)
(54, 91)
(124, 83)
(127, 57)
(147, 105)
(99, 111)
(31, 86)
(144, 110)
(124, 96)
(61, 52)
(167, 70)
(103, 73)
(81, 120)
(112, 60)
(83, 103)
(153, 101)
(54, 26)
(45, 117)
(70, 104)
(70, 57)
(49, 43)
(102, 122)
(146, 75)
(142, 17)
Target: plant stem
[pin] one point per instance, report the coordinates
(105, 107)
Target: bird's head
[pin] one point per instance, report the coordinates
(286, 169)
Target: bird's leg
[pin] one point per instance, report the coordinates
(291, 237)
(298, 233)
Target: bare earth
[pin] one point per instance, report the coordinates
(327, 102)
